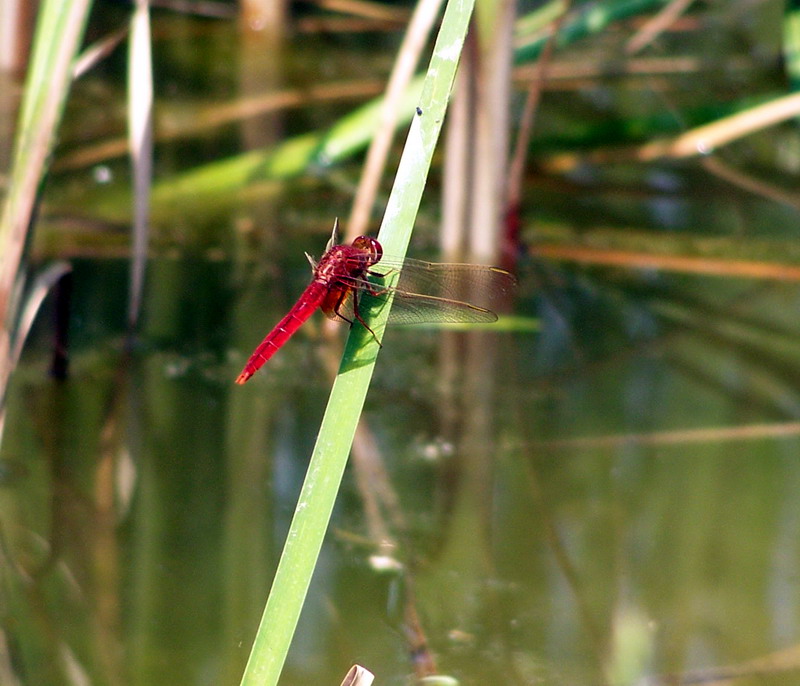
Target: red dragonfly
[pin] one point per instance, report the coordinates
(425, 292)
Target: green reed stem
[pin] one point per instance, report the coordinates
(335, 438)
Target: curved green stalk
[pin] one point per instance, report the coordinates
(335, 438)
(59, 31)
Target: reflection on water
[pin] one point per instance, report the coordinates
(592, 512)
(609, 499)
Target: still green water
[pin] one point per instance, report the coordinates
(145, 499)
(607, 499)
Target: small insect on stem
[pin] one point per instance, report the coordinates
(419, 111)
(424, 292)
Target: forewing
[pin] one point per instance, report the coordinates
(430, 292)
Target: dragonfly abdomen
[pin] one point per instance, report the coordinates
(309, 301)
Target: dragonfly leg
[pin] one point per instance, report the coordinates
(361, 319)
(373, 288)
(339, 313)
(337, 310)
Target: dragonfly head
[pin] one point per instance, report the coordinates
(370, 247)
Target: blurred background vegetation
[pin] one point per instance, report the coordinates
(607, 500)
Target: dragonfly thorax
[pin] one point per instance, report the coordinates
(348, 261)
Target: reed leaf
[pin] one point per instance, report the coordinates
(59, 32)
(140, 135)
(332, 448)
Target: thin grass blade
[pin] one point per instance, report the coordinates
(140, 133)
(332, 448)
(59, 31)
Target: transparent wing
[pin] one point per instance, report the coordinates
(431, 292)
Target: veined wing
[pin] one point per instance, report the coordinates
(432, 292)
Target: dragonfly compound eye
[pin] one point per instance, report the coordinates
(369, 245)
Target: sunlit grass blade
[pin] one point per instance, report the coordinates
(140, 134)
(42, 285)
(414, 42)
(335, 438)
(98, 51)
(59, 31)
